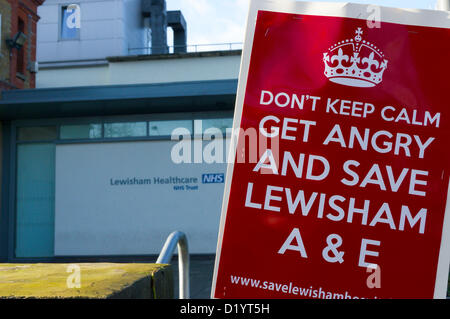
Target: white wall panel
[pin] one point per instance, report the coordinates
(94, 216)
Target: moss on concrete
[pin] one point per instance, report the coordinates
(98, 280)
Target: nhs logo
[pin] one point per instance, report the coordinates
(213, 178)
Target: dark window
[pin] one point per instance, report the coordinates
(81, 131)
(70, 24)
(127, 129)
(20, 65)
(37, 133)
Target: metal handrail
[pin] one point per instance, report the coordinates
(177, 238)
(228, 46)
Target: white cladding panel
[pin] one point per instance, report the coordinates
(107, 28)
(142, 72)
(97, 213)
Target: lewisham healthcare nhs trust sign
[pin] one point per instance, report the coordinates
(349, 199)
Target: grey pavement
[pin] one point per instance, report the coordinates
(201, 273)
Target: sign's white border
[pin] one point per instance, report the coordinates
(427, 18)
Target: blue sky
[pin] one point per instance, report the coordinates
(223, 21)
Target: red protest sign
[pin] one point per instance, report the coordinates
(346, 194)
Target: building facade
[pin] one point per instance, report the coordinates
(95, 172)
(96, 29)
(18, 43)
(92, 168)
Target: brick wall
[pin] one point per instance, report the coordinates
(5, 11)
(14, 11)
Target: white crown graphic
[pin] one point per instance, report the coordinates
(355, 62)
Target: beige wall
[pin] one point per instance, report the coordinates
(175, 70)
(71, 77)
(143, 72)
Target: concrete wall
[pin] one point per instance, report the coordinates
(87, 281)
(72, 77)
(140, 71)
(108, 27)
(175, 70)
(135, 34)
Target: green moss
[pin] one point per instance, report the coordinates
(98, 280)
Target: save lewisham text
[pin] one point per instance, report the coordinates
(292, 289)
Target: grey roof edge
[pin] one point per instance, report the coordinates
(174, 55)
(119, 92)
(47, 65)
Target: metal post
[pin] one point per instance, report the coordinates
(179, 239)
(443, 5)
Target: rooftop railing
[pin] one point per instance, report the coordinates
(190, 48)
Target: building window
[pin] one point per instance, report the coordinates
(70, 22)
(220, 123)
(35, 200)
(129, 129)
(83, 131)
(165, 128)
(20, 64)
(37, 133)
